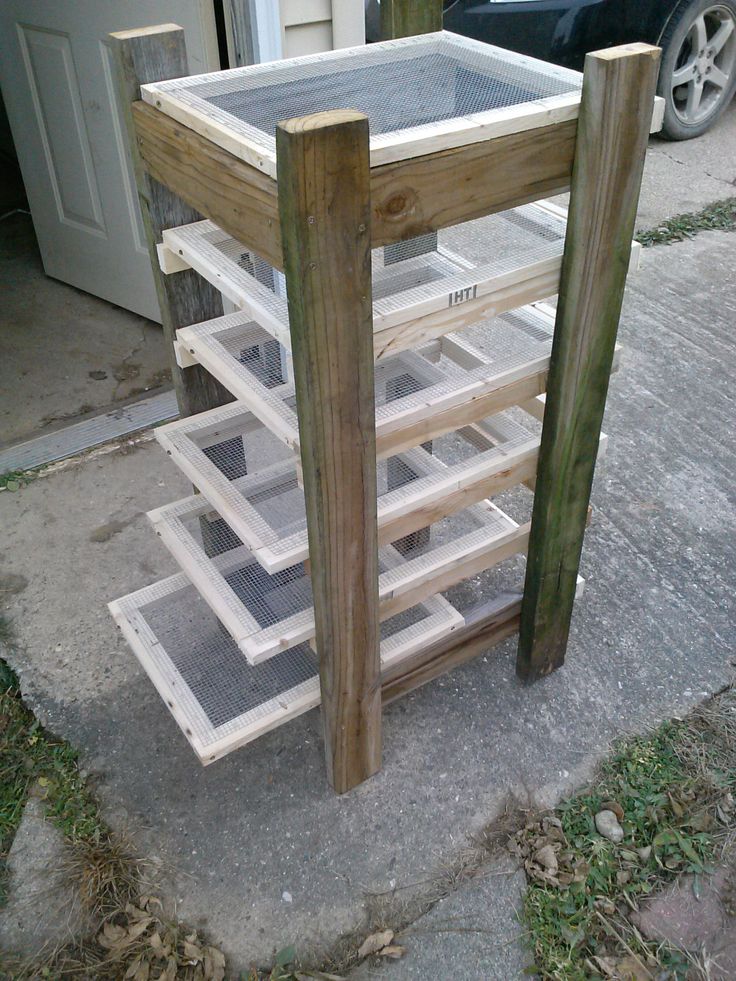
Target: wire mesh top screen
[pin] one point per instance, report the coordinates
(399, 85)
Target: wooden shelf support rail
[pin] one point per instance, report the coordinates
(613, 127)
(324, 197)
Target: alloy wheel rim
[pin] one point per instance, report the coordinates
(704, 66)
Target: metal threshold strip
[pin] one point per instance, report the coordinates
(89, 433)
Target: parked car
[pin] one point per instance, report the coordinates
(697, 77)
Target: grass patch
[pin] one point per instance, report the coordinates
(674, 790)
(30, 758)
(721, 216)
(128, 934)
(33, 757)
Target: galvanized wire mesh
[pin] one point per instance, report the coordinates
(266, 507)
(463, 258)
(400, 85)
(254, 367)
(217, 698)
(265, 613)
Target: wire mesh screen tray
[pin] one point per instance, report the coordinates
(219, 701)
(266, 613)
(422, 288)
(265, 506)
(446, 384)
(420, 94)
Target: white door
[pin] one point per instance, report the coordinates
(58, 86)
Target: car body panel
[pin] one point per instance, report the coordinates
(561, 31)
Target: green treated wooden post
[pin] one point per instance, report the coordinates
(405, 18)
(324, 199)
(613, 128)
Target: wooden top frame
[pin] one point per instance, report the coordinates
(528, 148)
(421, 94)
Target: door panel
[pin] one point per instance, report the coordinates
(54, 88)
(57, 80)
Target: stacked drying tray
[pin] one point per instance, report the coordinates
(462, 348)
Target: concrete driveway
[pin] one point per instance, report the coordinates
(264, 853)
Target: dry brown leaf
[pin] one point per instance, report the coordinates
(214, 964)
(134, 967)
(134, 912)
(139, 970)
(146, 902)
(613, 805)
(606, 965)
(111, 936)
(192, 951)
(375, 942)
(393, 950)
(547, 858)
(169, 972)
(138, 928)
(630, 968)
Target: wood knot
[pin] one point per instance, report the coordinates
(400, 204)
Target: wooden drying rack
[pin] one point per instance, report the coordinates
(318, 221)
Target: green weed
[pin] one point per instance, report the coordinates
(674, 789)
(721, 215)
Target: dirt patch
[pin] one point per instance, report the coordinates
(105, 532)
(126, 371)
(11, 584)
(696, 913)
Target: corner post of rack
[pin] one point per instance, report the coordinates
(613, 129)
(405, 18)
(323, 171)
(153, 54)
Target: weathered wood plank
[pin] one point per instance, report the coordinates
(324, 197)
(485, 626)
(525, 167)
(149, 55)
(405, 18)
(616, 109)
(232, 193)
(415, 510)
(244, 202)
(429, 421)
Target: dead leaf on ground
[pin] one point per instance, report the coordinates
(137, 929)
(392, 950)
(547, 858)
(630, 968)
(606, 965)
(214, 964)
(193, 951)
(139, 970)
(374, 943)
(613, 805)
(111, 936)
(169, 973)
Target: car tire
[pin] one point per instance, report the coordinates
(706, 76)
